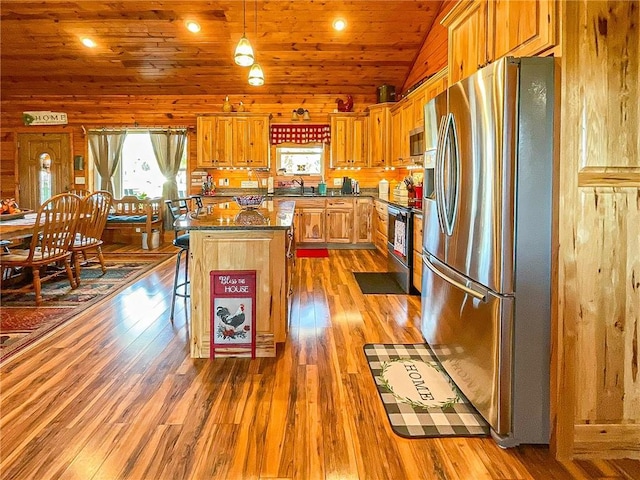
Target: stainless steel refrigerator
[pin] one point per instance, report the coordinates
(486, 284)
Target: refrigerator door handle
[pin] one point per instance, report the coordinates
(464, 288)
(438, 182)
(450, 211)
(456, 160)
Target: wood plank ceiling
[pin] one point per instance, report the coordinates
(144, 48)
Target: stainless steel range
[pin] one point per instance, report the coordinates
(400, 245)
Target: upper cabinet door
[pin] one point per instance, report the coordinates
(349, 138)
(522, 28)
(397, 136)
(340, 156)
(379, 135)
(467, 24)
(359, 141)
(223, 142)
(241, 138)
(205, 129)
(258, 142)
(233, 140)
(481, 31)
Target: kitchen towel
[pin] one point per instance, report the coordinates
(400, 237)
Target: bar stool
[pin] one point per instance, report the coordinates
(177, 207)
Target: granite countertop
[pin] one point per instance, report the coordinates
(331, 193)
(229, 216)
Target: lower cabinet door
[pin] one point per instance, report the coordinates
(340, 226)
(311, 227)
(417, 270)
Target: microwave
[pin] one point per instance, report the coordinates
(416, 142)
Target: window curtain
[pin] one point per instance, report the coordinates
(106, 148)
(290, 133)
(168, 147)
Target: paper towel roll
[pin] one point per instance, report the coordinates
(383, 189)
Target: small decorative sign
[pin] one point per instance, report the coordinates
(44, 118)
(233, 312)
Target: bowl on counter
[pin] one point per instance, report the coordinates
(249, 201)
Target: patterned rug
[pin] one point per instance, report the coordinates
(22, 323)
(419, 397)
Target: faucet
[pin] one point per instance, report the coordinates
(301, 183)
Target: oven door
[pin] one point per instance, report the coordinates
(398, 234)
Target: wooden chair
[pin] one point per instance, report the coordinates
(53, 233)
(92, 218)
(81, 192)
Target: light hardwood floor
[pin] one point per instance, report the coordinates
(114, 394)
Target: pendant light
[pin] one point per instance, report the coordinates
(256, 75)
(244, 52)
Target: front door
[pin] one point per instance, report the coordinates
(44, 167)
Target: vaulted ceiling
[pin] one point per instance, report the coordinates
(144, 47)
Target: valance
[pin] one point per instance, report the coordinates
(292, 133)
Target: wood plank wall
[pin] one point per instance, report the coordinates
(597, 389)
(167, 111)
(433, 55)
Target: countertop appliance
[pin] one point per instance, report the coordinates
(486, 284)
(400, 244)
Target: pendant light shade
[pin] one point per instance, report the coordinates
(256, 75)
(244, 52)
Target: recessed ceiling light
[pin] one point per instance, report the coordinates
(339, 24)
(193, 26)
(87, 42)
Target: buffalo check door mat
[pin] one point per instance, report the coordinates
(419, 397)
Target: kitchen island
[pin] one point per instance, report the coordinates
(225, 238)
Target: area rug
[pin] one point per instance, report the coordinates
(312, 252)
(419, 397)
(22, 323)
(378, 283)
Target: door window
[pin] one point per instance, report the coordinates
(45, 181)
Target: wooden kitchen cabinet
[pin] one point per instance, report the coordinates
(419, 98)
(417, 252)
(310, 220)
(468, 40)
(311, 225)
(437, 84)
(349, 140)
(397, 136)
(214, 142)
(521, 29)
(233, 140)
(339, 220)
(379, 135)
(251, 141)
(481, 31)
(401, 124)
(363, 220)
(380, 223)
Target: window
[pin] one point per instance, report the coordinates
(303, 160)
(138, 173)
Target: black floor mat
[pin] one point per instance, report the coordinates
(378, 283)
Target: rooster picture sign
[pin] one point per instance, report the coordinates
(233, 312)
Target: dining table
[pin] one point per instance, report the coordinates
(17, 227)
